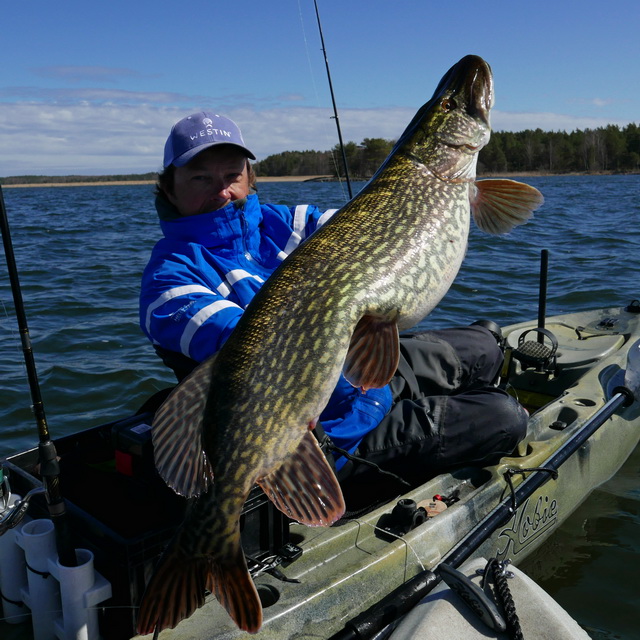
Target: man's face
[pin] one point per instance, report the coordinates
(210, 181)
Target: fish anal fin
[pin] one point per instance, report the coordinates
(232, 585)
(500, 205)
(177, 434)
(304, 486)
(374, 353)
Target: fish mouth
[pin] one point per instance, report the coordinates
(456, 117)
(469, 81)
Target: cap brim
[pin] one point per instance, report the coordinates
(189, 155)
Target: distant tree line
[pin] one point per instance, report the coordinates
(606, 149)
(130, 177)
(362, 159)
(609, 149)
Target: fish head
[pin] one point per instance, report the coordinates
(449, 131)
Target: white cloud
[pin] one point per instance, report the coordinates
(106, 138)
(514, 121)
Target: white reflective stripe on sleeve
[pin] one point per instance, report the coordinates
(224, 290)
(199, 319)
(240, 274)
(170, 295)
(282, 255)
(325, 216)
(292, 243)
(300, 219)
(299, 224)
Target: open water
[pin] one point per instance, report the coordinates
(81, 251)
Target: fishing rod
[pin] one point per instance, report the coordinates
(333, 100)
(407, 595)
(542, 295)
(47, 455)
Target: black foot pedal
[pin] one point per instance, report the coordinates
(533, 353)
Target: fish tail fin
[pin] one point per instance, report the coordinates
(175, 591)
(178, 586)
(232, 585)
(230, 582)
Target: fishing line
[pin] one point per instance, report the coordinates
(18, 615)
(328, 143)
(392, 535)
(14, 340)
(60, 611)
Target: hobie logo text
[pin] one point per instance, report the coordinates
(531, 521)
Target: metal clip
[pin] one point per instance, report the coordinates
(500, 567)
(269, 565)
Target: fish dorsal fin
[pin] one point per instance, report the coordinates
(500, 205)
(304, 486)
(374, 353)
(177, 434)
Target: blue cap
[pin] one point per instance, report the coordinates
(198, 132)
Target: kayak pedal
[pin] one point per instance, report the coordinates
(633, 307)
(535, 353)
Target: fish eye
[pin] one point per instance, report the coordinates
(448, 104)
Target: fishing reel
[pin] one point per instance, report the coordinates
(12, 516)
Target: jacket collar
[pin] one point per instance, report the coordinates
(216, 228)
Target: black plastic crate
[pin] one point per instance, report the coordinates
(121, 510)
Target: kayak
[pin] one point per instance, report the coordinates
(445, 614)
(569, 371)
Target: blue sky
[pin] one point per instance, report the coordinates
(94, 87)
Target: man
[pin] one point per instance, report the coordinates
(220, 245)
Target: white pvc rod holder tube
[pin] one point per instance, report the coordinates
(13, 574)
(37, 538)
(81, 589)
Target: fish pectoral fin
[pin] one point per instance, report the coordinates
(500, 205)
(178, 431)
(374, 353)
(304, 486)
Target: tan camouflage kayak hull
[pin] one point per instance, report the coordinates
(345, 569)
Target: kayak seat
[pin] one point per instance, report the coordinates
(577, 347)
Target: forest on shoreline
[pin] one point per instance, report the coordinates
(609, 149)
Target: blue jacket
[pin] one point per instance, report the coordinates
(205, 271)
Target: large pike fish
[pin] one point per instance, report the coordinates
(335, 305)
